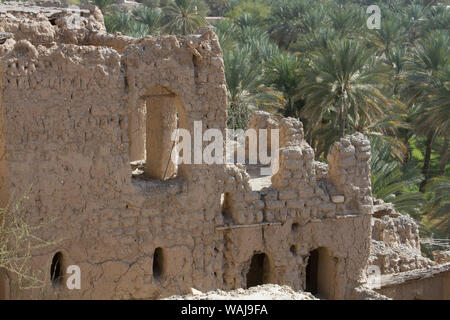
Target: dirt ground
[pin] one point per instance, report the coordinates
(263, 292)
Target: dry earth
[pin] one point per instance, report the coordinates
(263, 292)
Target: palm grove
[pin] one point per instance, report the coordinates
(319, 62)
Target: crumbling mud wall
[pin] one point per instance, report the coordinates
(431, 283)
(86, 119)
(395, 241)
(296, 217)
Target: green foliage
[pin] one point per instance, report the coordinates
(17, 241)
(391, 34)
(438, 208)
(219, 8)
(124, 23)
(395, 182)
(258, 9)
(243, 85)
(149, 17)
(342, 85)
(290, 20)
(184, 16)
(347, 21)
(282, 72)
(430, 80)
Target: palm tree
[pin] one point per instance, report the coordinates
(397, 58)
(318, 40)
(184, 16)
(151, 17)
(118, 22)
(436, 114)
(437, 18)
(226, 31)
(286, 22)
(412, 18)
(123, 23)
(344, 84)
(391, 33)
(428, 74)
(394, 182)
(219, 7)
(251, 34)
(438, 209)
(247, 20)
(282, 72)
(245, 88)
(348, 21)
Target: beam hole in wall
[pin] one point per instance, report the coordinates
(293, 250)
(225, 203)
(56, 269)
(259, 270)
(152, 122)
(295, 228)
(158, 264)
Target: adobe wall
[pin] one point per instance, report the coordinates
(395, 241)
(423, 284)
(68, 142)
(68, 101)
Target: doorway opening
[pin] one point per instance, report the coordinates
(321, 273)
(259, 270)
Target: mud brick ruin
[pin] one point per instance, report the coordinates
(85, 122)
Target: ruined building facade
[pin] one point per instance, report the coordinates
(86, 120)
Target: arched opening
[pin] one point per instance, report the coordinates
(56, 269)
(259, 272)
(158, 264)
(321, 273)
(225, 202)
(152, 122)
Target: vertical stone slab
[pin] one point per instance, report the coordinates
(137, 131)
(161, 123)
